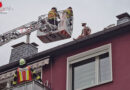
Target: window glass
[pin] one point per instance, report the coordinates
(104, 68)
(84, 74)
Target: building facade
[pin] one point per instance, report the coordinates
(99, 61)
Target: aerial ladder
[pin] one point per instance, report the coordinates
(46, 32)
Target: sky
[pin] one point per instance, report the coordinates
(98, 14)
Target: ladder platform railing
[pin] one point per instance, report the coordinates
(32, 85)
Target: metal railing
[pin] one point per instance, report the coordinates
(33, 85)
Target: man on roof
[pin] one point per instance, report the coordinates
(85, 31)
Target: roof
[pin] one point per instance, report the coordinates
(123, 15)
(73, 45)
(19, 44)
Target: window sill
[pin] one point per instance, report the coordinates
(96, 85)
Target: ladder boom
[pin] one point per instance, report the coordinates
(18, 32)
(61, 31)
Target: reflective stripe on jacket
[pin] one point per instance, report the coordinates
(24, 74)
(69, 13)
(52, 15)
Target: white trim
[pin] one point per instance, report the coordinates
(88, 54)
(97, 69)
(83, 56)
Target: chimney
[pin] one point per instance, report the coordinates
(123, 18)
(22, 50)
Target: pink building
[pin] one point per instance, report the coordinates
(99, 61)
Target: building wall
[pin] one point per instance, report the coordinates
(56, 72)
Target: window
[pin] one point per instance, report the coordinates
(89, 68)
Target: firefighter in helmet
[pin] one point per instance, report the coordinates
(52, 16)
(69, 14)
(24, 73)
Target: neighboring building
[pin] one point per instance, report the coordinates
(99, 61)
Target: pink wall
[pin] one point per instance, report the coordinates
(56, 72)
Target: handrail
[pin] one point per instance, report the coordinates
(34, 83)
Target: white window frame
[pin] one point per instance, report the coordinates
(86, 55)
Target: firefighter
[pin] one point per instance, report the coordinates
(52, 16)
(24, 73)
(85, 31)
(69, 14)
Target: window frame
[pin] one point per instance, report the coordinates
(86, 55)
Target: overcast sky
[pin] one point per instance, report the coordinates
(97, 13)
